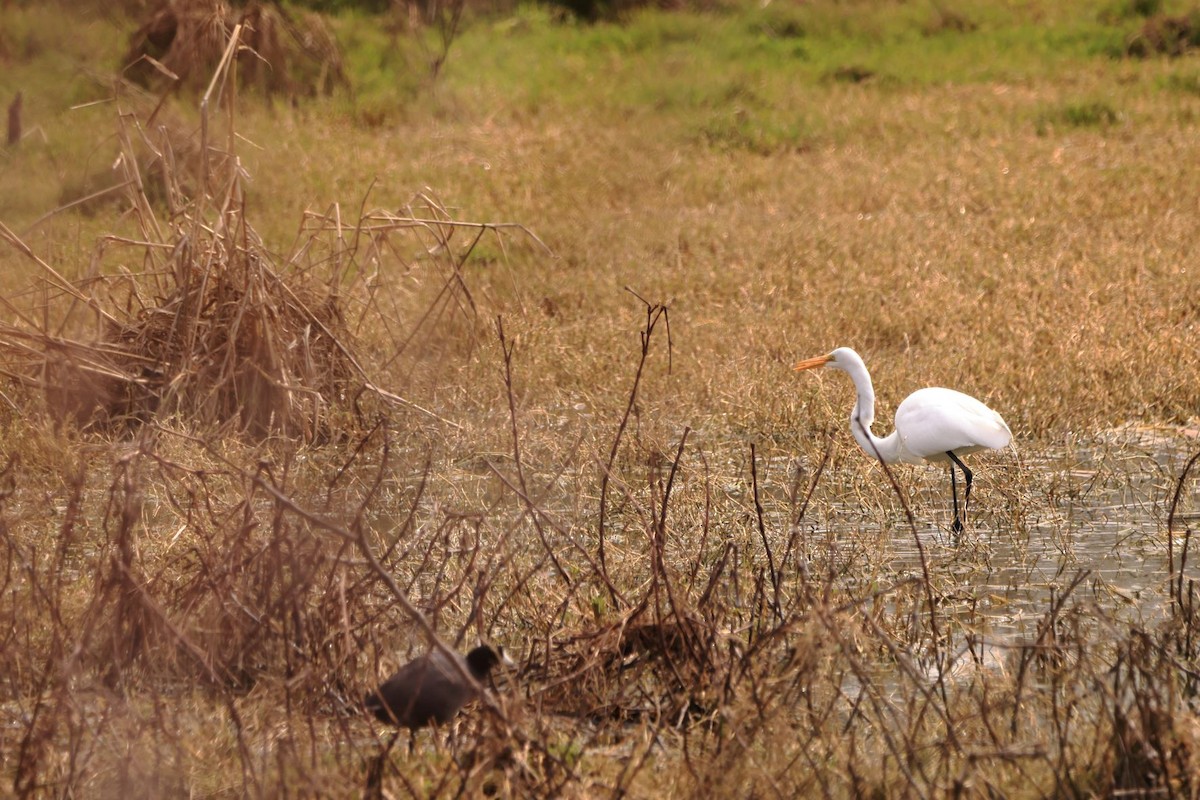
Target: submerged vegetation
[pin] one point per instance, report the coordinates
(490, 339)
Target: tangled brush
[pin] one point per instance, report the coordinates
(214, 328)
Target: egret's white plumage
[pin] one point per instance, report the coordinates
(933, 425)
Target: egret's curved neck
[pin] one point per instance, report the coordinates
(863, 415)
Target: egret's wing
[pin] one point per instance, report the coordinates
(935, 421)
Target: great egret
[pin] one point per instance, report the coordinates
(933, 425)
(430, 690)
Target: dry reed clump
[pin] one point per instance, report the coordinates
(196, 319)
(230, 343)
(158, 634)
(287, 50)
(210, 331)
(1166, 35)
(169, 168)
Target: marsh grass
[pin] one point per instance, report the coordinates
(598, 456)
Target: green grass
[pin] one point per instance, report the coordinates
(54, 73)
(776, 47)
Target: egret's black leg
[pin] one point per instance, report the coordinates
(958, 526)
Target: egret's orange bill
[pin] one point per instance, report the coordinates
(813, 363)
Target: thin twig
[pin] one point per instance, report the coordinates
(654, 312)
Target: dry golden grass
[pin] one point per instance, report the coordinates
(709, 591)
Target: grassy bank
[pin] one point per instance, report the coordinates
(582, 439)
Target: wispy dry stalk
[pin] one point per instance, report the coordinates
(654, 313)
(1175, 577)
(762, 534)
(936, 643)
(506, 349)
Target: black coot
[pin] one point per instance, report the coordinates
(431, 689)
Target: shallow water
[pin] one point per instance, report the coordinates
(1097, 507)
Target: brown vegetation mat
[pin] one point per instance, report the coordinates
(219, 618)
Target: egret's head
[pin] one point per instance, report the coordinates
(838, 359)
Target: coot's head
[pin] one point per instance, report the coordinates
(481, 660)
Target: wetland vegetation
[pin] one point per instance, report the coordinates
(488, 333)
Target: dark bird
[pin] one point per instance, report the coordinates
(431, 689)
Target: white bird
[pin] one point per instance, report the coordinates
(933, 425)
